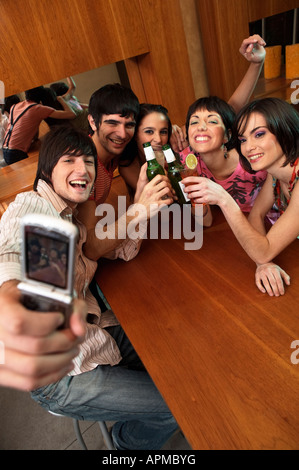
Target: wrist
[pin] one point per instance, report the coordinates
(257, 64)
(228, 205)
(139, 188)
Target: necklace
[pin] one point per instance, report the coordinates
(281, 200)
(295, 173)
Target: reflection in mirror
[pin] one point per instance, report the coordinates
(83, 85)
(88, 82)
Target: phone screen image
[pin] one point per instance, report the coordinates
(47, 257)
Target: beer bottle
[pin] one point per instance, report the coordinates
(153, 167)
(173, 174)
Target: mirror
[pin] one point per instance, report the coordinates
(88, 82)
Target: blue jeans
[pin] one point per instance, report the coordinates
(123, 393)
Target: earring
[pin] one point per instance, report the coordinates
(225, 151)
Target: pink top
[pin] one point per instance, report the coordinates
(241, 185)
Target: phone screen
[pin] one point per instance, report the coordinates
(47, 257)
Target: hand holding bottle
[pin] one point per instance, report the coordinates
(153, 167)
(174, 169)
(157, 192)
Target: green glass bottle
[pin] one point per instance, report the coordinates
(153, 167)
(174, 175)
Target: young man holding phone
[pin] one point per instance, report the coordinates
(108, 380)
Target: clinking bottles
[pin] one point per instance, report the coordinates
(173, 174)
(153, 167)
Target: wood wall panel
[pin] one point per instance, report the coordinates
(165, 71)
(223, 25)
(143, 79)
(258, 9)
(45, 40)
(194, 46)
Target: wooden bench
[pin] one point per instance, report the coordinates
(17, 178)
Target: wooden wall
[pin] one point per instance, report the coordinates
(44, 40)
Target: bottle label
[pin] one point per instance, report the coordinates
(149, 153)
(182, 186)
(169, 156)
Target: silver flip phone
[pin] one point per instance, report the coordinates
(48, 262)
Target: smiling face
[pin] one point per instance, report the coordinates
(258, 145)
(206, 131)
(113, 134)
(154, 129)
(73, 177)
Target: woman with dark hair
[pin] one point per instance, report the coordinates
(268, 140)
(145, 132)
(209, 125)
(152, 125)
(282, 121)
(209, 129)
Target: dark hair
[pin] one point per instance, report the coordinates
(60, 88)
(221, 107)
(34, 241)
(59, 141)
(131, 149)
(9, 102)
(34, 94)
(113, 99)
(147, 108)
(49, 98)
(282, 121)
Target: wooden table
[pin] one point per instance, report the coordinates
(20, 176)
(218, 350)
(16, 178)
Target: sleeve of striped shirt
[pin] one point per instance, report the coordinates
(10, 240)
(127, 250)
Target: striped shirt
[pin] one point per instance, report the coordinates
(98, 347)
(103, 181)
